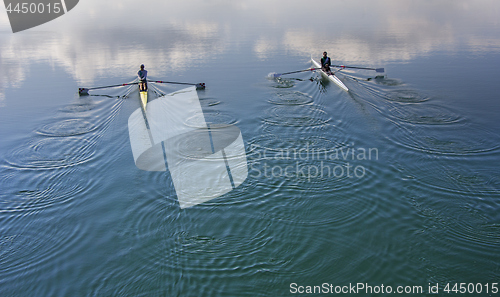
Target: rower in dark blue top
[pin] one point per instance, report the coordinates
(143, 74)
(326, 63)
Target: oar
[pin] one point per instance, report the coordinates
(85, 91)
(280, 74)
(198, 86)
(376, 69)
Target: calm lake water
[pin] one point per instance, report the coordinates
(394, 183)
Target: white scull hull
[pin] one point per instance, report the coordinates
(144, 99)
(332, 77)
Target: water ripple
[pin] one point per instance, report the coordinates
(69, 127)
(405, 96)
(297, 116)
(290, 144)
(453, 140)
(381, 80)
(79, 107)
(424, 114)
(38, 192)
(52, 152)
(464, 225)
(208, 102)
(34, 244)
(434, 171)
(283, 83)
(211, 117)
(290, 98)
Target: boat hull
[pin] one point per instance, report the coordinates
(144, 99)
(332, 77)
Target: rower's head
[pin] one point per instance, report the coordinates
(324, 54)
(142, 67)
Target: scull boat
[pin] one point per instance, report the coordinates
(331, 77)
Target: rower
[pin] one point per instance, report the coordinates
(326, 63)
(143, 74)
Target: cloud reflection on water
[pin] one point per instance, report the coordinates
(107, 38)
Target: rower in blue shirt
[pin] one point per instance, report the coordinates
(326, 63)
(143, 74)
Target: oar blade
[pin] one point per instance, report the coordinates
(380, 70)
(200, 86)
(273, 75)
(83, 91)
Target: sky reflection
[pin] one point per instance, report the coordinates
(103, 38)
